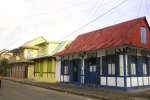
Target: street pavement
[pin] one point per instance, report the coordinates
(16, 91)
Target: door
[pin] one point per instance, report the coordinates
(75, 71)
(26, 72)
(92, 71)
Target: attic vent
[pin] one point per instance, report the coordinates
(143, 35)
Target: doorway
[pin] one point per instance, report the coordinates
(92, 70)
(75, 70)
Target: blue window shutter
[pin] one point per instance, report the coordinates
(98, 69)
(86, 70)
(104, 65)
(148, 68)
(70, 67)
(79, 70)
(116, 61)
(139, 66)
(62, 67)
(129, 65)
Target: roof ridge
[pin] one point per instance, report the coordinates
(110, 26)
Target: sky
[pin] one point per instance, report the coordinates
(24, 20)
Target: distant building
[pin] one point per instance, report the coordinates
(117, 56)
(5, 54)
(19, 63)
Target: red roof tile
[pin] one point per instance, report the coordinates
(126, 33)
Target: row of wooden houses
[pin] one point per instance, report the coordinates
(117, 56)
(34, 60)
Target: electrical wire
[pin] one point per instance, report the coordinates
(105, 13)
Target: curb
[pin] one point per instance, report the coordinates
(62, 90)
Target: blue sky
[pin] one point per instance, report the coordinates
(23, 20)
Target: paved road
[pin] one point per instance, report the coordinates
(15, 91)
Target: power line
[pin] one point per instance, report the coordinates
(134, 24)
(98, 7)
(93, 11)
(121, 3)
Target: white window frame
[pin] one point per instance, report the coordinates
(144, 69)
(92, 68)
(133, 69)
(111, 69)
(143, 35)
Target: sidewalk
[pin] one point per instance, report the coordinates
(101, 93)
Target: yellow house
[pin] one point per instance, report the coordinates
(46, 69)
(32, 53)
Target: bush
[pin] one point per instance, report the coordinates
(3, 66)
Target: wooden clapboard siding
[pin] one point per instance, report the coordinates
(45, 70)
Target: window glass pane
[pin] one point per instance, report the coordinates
(113, 69)
(109, 69)
(94, 68)
(65, 69)
(133, 69)
(144, 69)
(91, 68)
(143, 35)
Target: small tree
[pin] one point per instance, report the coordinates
(3, 66)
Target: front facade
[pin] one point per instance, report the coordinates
(117, 56)
(45, 68)
(18, 63)
(108, 68)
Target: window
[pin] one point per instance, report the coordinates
(65, 69)
(133, 69)
(29, 53)
(144, 69)
(41, 68)
(92, 68)
(111, 69)
(49, 66)
(143, 35)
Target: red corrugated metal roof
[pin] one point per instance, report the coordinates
(126, 33)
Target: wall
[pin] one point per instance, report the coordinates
(31, 71)
(18, 71)
(34, 53)
(46, 70)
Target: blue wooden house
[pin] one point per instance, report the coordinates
(117, 56)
